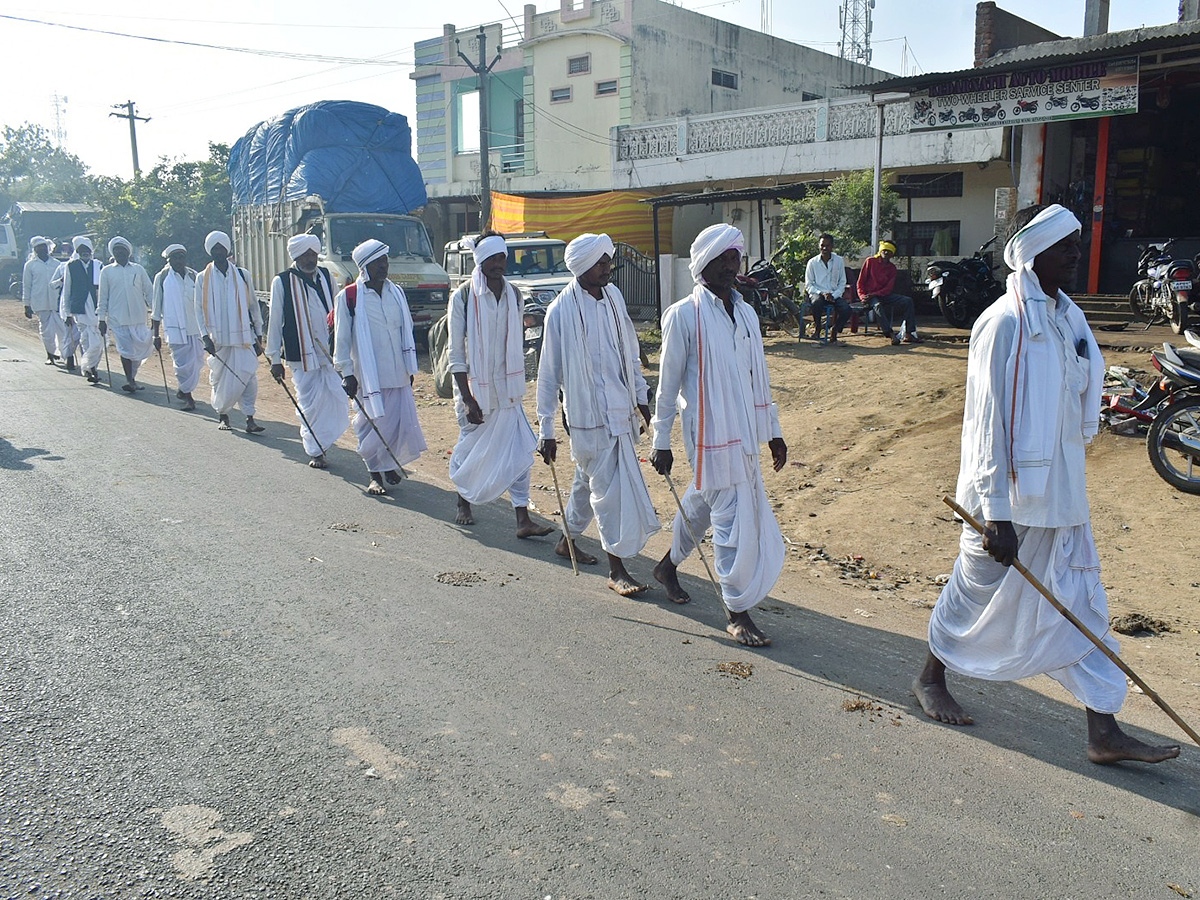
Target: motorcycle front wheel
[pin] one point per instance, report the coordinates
(1142, 303)
(789, 316)
(954, 310)
(1179, 317)
(1173, 442)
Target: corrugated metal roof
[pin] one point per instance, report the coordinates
(35, 206)
(1078, 49)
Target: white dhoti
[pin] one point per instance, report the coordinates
(399, 427)
(319, 394)
(53, 332)
(134, 343)
(187, 359)
(990, 623)
(610, 486)
(233, 374)
(91, 342)
(494, 457)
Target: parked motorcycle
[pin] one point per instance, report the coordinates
(763, 289)
(1166, 288)
(1173, 439)
(965, 288)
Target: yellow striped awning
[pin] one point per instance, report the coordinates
(619, 214)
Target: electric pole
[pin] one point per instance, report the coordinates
(483, 69)
(133, 118)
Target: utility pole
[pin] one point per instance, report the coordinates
(133, 118)
(485, 175)
(60, 115)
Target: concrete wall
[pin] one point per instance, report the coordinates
(997, 29)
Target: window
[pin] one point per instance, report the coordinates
(579, 65)
(926, 238)
(724, 79)
(560, 95)
(467, 126)
(937, 184)
(606, 88)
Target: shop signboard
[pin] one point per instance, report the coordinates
(1014, 97)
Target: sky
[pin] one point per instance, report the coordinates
(194, 95)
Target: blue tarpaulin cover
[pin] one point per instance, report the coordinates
(356, 156)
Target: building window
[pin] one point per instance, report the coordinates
(467, 126)
(606, 88)
(936, 184)
(579, 65)
(724, 79)
(560, 95)
(926, 238)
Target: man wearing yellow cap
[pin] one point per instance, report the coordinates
(877, 288)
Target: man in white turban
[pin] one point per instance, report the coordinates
(298, 331)
(79, 278)
(41, 300)
(590, 353)
(374, 351)
(174, 311)
(486, 345)
(231, 331)
(712, 364)
(126, 295)
(1034, 375)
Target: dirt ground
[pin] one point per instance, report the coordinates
(873, 440)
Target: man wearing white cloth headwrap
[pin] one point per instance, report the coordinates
(713, 366)
(231, 331)
(495, 445)
(125, 298)
(174, 310)
(80, 280)
(37, 290)
(298, 331)
(374, 351)
(590, 352)
(1034, 374)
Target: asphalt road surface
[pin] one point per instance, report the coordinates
(225, 675)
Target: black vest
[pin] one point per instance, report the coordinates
(291, 336)
(81, 287)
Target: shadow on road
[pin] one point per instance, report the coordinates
(18, 458)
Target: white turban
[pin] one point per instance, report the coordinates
(1046, 229)
(585, 251)
(300, 244)
(217, 237)
(711, 243)
(173, 248)
(367, 252)
(81, 241)
(119, 241)
(37, 241)
(485, 248)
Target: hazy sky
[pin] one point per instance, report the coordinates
(196, 95)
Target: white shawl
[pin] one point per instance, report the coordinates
(481, 346)
(228, 321)
(174, 313)
(365, 364)
(581, 400)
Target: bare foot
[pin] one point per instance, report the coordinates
(527, 528)
(225, 426)
(938, 704)
(626, 587)
(744, 631)
(584, 559)
(393, 476)
(463, 515)
(253, 427)
(1108, 744)
(318, 462)
(376, 488)
(667, 575)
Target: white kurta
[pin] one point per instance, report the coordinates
(821, 277)
(85, 332)
(125, 298)
(177, 314)
(748, 546)
(40, 295)
(227, 311)
(318, 386)
(589, 351)
(497, 455)
(989, 622)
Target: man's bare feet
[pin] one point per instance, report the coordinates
(462, 514)
(744, 631)
(527, 528)
(376, 488)
(620, 580)
(666, 574)
(224, 425)
(318, 462)
(393, 476)
(584, 559)
(931, 692)
(1108, 744)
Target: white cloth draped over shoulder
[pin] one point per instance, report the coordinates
(226, 307)
(175, 304)
(375, 344)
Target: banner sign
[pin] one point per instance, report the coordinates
(1072, 91)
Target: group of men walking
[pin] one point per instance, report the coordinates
(1033, 382)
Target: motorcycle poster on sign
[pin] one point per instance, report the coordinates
(1075, 91)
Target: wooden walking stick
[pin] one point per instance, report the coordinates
(1083, 629)
(563, 512)
(378, 434)
(162, 365)
(107, 368)
(695, 538)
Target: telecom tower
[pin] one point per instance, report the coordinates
(855, 19)
(766, 16)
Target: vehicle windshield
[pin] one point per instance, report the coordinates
(406, 238)
(538, 259)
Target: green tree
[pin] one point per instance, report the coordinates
(842, 209)
(33, 168)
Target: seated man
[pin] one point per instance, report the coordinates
(877, 288)
(825, 284)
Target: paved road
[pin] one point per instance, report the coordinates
(225, 675)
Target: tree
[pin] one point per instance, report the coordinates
(843, 210)
(33, 168)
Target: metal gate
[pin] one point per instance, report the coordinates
(634, 274)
